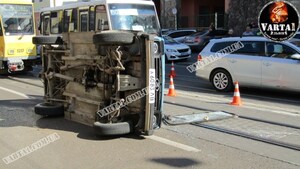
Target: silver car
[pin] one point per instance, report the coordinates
(258, 63)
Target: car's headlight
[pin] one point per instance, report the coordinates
(171, 50)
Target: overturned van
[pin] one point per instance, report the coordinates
(103, 65)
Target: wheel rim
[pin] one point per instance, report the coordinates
(220, 81)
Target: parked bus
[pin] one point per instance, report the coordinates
(17, 52)
(103, 65)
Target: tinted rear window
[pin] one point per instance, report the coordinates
(297, 36)
(253, 48)
(219, 46)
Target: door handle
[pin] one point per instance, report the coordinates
(232, 60)
(267, 64)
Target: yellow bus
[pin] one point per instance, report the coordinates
(17, 52)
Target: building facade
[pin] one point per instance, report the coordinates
(201, 13)
(192, 13)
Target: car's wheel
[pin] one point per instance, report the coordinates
(113, 38)
(221, 80)
(49, 109)
(109, 129)
(47, 40)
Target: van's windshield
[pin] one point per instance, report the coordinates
(134, 17)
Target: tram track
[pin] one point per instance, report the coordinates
(24, 81)
(267, 131)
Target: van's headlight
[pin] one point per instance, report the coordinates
(155, 48)
(158, 48)
(11, 51)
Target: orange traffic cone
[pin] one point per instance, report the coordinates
(172, 72)
(171, 87)
(236, 96)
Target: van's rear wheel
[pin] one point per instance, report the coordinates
(113, 38)
(222, 81)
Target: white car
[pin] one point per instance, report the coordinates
(175, 50)
(179, 35)
(259, 63)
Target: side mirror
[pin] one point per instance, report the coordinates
(296, 56)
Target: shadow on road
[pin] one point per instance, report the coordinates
(177, 162)
(21, 113)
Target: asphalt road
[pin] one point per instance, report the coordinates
(180, 146)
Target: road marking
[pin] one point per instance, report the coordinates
(14, 92)
(173, 143)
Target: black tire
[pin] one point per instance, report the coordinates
(48, 109)
(47, 40)
(110, 129)
(221, 80)
(113, 38)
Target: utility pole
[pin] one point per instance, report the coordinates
(174, 11)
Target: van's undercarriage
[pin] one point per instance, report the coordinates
(86, 74)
